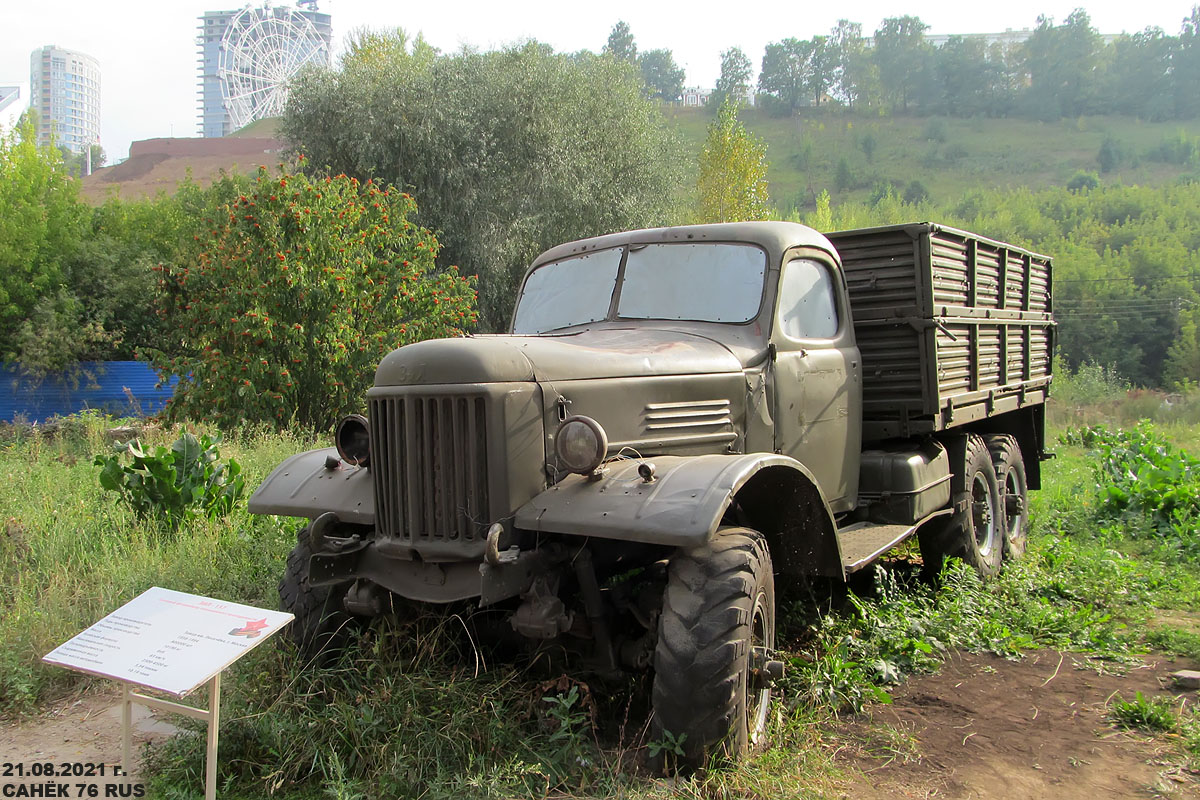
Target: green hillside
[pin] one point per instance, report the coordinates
(947, 156)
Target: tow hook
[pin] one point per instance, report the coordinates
(764, 670)
(492, 554)
(321, 542)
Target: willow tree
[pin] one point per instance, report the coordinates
(510, 151)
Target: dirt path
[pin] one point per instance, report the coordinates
(84, 729)
(985, 728)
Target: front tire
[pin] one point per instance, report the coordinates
(322, 625)
(716, 630)
(975, 531)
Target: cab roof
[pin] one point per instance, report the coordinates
(774, 237)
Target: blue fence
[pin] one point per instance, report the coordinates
(115, 387)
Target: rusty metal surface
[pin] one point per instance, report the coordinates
(946, 321)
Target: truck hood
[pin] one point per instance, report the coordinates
(607, 353)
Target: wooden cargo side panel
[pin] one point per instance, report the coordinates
(952, 327)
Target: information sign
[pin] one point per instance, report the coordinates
(169, 641)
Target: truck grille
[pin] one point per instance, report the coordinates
(429, 458)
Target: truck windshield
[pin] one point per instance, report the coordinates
(706, 282)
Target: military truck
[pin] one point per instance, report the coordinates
(678, 419)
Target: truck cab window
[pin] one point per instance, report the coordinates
(807, 306)
(709, 282)
(573, 291)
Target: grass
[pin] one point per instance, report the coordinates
(951, 156)
(416, 709)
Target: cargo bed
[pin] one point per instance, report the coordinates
(952, 327)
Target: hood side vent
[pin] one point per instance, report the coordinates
(670, 426)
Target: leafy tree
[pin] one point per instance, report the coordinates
(822, 69)
(662, 77)
(902, 56)
(733, 172)
(1185, 67)
(855, 75)
(40, 229)
(1061, 62)
(1182, 364)
(76, 163)
(915, 193)
(621, 45)
(510, 151)
(734, 83)
(783, 74)
(966, 77)
(1141, 75)
(291, 290)
(102, 310)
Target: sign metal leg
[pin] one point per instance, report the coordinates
(214, 724)
(127, 731)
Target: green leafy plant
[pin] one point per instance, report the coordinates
(670, 744)
(1141, 475)
(177, 483)
(1155, 714)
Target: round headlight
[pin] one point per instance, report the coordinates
(353, 440)
(581, 444)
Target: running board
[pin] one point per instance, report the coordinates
(863, 542)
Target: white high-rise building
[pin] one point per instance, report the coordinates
(64, 88)
(247, 57)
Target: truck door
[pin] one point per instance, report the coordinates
(818, 385)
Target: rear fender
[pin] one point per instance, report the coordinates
(303, 486)
(689, 499)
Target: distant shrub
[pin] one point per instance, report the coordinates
(802, 159)
(935, 130)
(1089, 384)
(868, 143)
(955, 152)
(883, 190)
(915, 193)
(1113, 153)
(1083, 182)
(1178, 149)
(844, 180)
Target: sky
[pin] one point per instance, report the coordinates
(147, 50)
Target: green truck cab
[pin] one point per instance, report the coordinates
(678, 419)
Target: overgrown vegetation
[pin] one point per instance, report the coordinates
(419, 706)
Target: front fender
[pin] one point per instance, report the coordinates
(302, 486)
(682, 507)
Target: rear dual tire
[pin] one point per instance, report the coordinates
(974, 532)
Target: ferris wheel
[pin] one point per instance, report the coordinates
(262, 48)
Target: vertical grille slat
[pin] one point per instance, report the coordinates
(429, 456)
(462, 517)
